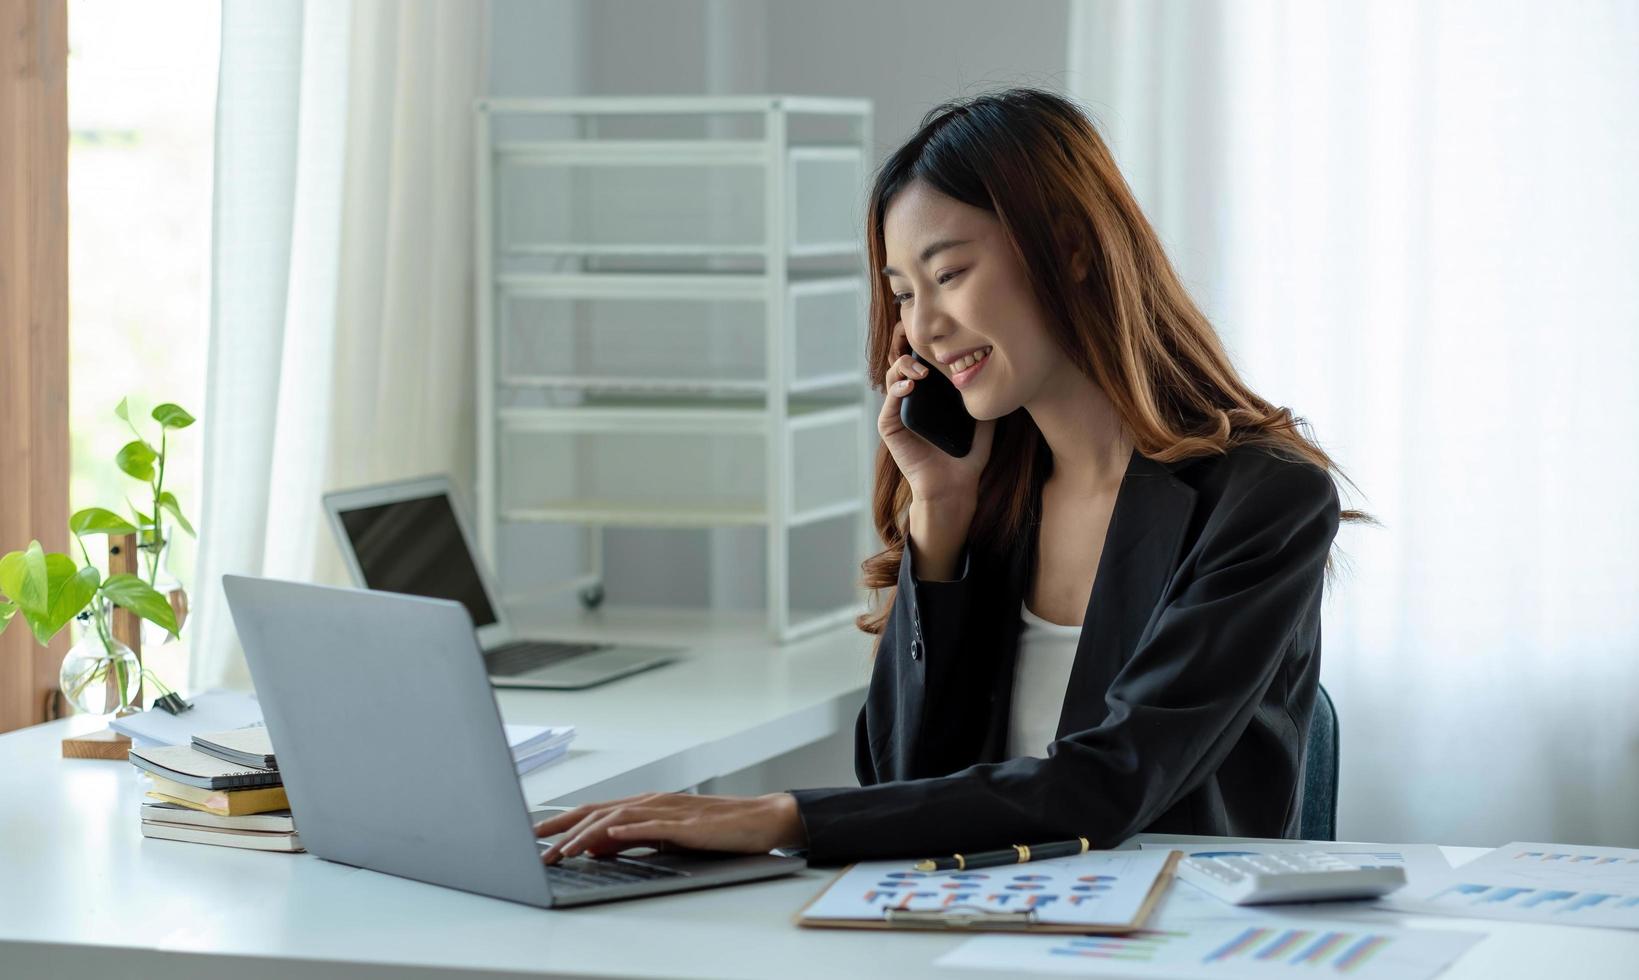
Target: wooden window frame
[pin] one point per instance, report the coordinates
(34, 443)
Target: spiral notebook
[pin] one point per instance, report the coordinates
(1095, 892)
(249, 747)
(187, 765)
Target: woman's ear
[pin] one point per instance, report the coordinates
(1079, 264)
(1081, 253)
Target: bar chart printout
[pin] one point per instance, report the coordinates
(1556, 883)
(1508, 899)
(1309, 948)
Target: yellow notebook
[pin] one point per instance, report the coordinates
(222, 802)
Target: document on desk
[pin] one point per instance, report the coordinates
(1251, 950)
(533, 746)
(1554, 883)
(213, 711)
(1098, 889)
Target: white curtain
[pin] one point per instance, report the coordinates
(1417, 224)
(341, 326)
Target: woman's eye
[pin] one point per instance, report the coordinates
(903, 298)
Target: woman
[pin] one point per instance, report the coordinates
(1105, 618)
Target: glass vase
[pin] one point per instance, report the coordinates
(100, 674)
(154, 561)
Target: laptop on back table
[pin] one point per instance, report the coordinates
(412, 536)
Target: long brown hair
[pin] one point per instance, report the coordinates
(1034, 159)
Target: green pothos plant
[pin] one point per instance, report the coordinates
(48, 590)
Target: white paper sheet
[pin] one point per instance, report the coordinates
(527, 741)
(529, 763)
(1096, 888)
(1312, 948)
(1555, 883)
(1560, 864)
(213, 711)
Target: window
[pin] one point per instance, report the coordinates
(141, 116)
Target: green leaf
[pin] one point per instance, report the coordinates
(13, 572)
(144, 519)
(96, 520)
(137, 459)
(167, 501)
(172, 416)
(28, 582)
(123, 410)
(138, 596)
(69, 593)
(70, 589)
(7, 610)
(48, 589)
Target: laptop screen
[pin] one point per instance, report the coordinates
(416, 547)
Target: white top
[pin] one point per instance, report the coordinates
(1047, 651)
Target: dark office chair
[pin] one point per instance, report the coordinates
(1318, 821)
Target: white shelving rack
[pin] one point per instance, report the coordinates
(670, 308)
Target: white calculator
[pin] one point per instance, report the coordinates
(1242, 878)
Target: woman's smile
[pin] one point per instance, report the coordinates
(967, 368)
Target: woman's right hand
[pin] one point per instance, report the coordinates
(934, 475)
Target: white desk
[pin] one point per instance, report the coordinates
(735, 702)
(82, 894)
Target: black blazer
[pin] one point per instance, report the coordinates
(1188, 704)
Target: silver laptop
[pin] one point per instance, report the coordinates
(413, 537)
(372, 697)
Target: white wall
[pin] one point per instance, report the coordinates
(909, 56)
(904, 55)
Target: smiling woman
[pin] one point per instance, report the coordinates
(1105, 617)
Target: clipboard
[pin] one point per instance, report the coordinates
(967, 918)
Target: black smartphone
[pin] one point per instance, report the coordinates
(934, 411)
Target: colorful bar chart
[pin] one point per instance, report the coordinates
(1565, 857)
(1140, 946)
(1569, 884)
(1520, 901)
(1344, 952)
(1248, 950)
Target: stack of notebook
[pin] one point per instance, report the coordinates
(224, 789)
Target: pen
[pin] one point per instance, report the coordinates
(1017, 854)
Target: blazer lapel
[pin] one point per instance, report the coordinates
(1141, 548)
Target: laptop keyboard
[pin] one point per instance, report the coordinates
(601, 873)
(527, 655)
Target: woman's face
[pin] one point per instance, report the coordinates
(965, 303)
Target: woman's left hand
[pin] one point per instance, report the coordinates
(745, 824)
